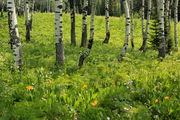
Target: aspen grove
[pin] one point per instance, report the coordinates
(89, 59)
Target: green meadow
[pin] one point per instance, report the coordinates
(142, 87)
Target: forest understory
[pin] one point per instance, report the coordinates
(143, 86)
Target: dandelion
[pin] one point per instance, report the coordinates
(156, 101)
(84, 86)
(29, 87)
(94, 103)
(166, 98)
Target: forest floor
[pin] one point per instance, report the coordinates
(141, 87)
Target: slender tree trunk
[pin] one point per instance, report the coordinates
(167, 25)
(132, 23)
(14, 34)
(162, 47)
(107, 22)
(87, 52)
(176, 24)
(20, 8)
(73, 23)
(48, 5)
(59, 32)
(32, 14)
(28, 21)
(33, 4)
(145, 39)
(128, 31)
(84, 24)
(142, 19)
(2, 9)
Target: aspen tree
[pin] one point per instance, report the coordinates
(48, 5)
(132, 22)
(14, 34)
(84, 24)
(176, 24)
(146, 33)
(28, 21)
(128, 31)
(59, 32)
(162, 46)
(107, 22)
(142, 19)
(73, 22)
(167, 24)
(87, 52)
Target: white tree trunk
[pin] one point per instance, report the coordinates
(146, 33)
(48, 5)
(143, 26)
(59, 32)
(84, 24)
(14, 34)
(28, 21)
(162, 46)
(107, 22)
(176, 23)
(87, 52)
(132, 22)
(128, 31)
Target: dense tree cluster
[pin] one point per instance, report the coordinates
(161, 11)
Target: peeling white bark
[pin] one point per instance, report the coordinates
(128, 31)
(28, 21)
(14, 34)
(84, 24)
(59, 32)
(162, 47)
(107, 22)
(176, 24)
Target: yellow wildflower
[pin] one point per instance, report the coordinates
(156, 101)
(94, 103)
(84, 86)
(166, 98)
(29, 87)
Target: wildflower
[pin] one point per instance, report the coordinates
(156, 101)
(84, 86)
(166, 98)
(108, 118)
(29, 87)
(94, 103)
(156, 86)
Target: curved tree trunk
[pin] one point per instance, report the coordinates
(84, 24)
(28, 21)
(176, 24)
(107, 22)
(162, 47)
(14, 34)
(58, 30)
(132, 23)
(73, 22)
(87, 52)
(128, 31)
(144, 44)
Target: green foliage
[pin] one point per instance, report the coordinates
(154, 32)
(154, 35)
(127, 90)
